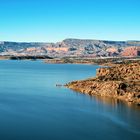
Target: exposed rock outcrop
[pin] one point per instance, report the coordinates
(131, 51)
(121, 81)
(71, 48)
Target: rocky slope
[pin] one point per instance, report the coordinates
(72, 48)
(121, 81)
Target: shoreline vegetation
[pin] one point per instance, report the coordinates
(120, 79)
(26, 57)
(104, 61)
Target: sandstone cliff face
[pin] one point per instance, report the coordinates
(131, 51)
(121, 81)
(71, 47)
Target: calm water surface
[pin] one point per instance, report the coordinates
(33, 108)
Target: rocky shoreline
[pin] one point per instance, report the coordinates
(121, 81)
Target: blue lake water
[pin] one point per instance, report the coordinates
(33, 108)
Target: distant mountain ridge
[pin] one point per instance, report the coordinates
(71, 47)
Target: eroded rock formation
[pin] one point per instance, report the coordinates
(131, 51)
(121, 81)
(72, 48)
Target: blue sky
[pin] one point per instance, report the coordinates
(55, 20)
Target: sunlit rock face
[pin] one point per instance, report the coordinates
(73, 47)
(121, 81)
(131, 51)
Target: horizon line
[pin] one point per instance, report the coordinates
(68, 39)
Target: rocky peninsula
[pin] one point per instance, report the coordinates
(121, 81)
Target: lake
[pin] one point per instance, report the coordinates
(33, 108)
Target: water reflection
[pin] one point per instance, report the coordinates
(115, 103)
(32, 106)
